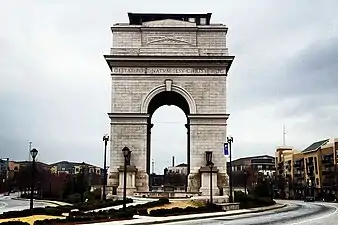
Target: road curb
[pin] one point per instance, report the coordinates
(164, 220)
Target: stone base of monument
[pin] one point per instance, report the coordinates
(130, 181)
(166, 194)
(205, 191)
(205, 181)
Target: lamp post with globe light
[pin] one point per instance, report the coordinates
(230, 140)
(33, 153)
(105, 140)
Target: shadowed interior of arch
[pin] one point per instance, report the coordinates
(168, 98)
(159, 100)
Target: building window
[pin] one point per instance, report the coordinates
(203, 21)
(316, 166)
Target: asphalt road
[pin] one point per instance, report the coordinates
(297, 212)
(9, 204)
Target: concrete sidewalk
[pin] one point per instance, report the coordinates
(49, 202)
(140, 220)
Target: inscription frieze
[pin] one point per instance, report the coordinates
(160, 71)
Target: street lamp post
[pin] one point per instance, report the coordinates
(245, 177)
(126, 153)
(83, 188)
(230, 140)
(105, 139)
(33, 153)
(208, 158)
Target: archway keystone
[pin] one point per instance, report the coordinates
(168, 59)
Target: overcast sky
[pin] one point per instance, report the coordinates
(55, 83)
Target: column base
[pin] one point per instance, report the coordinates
(130, 181)
(129, 191)
(142, 180)
(205, 181)
(205, 191)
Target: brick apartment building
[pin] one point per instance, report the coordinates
(310, 172)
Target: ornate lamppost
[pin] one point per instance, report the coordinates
(230, 140)
(126, 153)
(208, 159)
(105, 140)
(33, 153)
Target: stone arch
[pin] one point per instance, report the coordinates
(162, 88)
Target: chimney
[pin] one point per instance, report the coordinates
(173, 164)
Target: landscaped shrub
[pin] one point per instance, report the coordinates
(59, 210)
(249, 201)
(142, 209)
(91, 216)
(73, 198)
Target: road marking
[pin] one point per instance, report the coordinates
(318, 218)
(3, 205)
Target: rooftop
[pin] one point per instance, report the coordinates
(139, 18)
(314, 146)
(70, 163)
(241, 161)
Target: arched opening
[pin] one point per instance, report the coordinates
(168, 136)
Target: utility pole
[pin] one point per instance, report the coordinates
(284, 143)
(29, 151)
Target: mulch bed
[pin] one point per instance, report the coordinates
(89, 222)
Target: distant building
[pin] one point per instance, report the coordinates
(311, 172)
(20, 164)
(264, 164)
(73, 168)
(4, 169)
(180, 169)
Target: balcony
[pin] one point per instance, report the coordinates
(328, 183)
(328, 162)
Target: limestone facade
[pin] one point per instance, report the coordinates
(161, 56)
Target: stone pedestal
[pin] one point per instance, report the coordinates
(130, 181)
(205, 181)
(194, 182)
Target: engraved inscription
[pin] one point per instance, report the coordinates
(139, 70)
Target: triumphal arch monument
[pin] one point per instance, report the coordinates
(168, 59)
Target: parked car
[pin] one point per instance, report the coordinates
(309, 199)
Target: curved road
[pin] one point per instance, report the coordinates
(297, 212)
(9, 204)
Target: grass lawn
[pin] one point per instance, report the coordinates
(30, 219)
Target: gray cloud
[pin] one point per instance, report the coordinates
(55, 86)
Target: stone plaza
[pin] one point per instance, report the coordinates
(168, 59)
